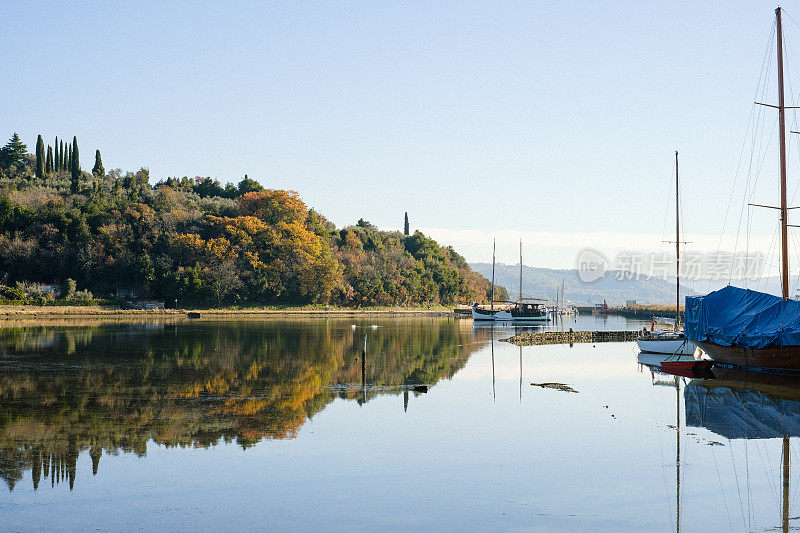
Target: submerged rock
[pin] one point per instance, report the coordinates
(557, 386)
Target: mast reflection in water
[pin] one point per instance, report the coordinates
(752, 406)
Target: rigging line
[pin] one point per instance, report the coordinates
(747, 247)
(790, 18)
(736, 479)
(761, 284)
(749, 491)
(765, 63)
(754, 120)
(758, 137)
(722, 488)
(794, 461)
(666, 210)
(759, 168)
(797, 254)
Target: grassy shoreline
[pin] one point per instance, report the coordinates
(9, 312)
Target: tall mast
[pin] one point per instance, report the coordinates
(782, 136)
(520, 270)
(677, 250)
(493, 247)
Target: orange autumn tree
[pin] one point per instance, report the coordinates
(281, 259)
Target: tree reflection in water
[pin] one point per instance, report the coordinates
(113, 388)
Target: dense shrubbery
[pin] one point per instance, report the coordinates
(204, 244)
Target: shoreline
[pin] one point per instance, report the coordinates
(15, 312)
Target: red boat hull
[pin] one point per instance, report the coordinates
(692, 369)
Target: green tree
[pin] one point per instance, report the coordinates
(62, 161)
(39, 158)
(68, 165)
(56, 160)
(13, 153)
(208, 187)
(405, 225)
(68, 288)
(75, 167)
(98, 169)
(48, 163)
(247, 185)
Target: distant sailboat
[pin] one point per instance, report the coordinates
(522, 310)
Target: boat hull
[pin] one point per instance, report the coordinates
(784, 358)
(666, 346)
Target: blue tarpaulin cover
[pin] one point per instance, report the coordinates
(741, 317)
(741, 414)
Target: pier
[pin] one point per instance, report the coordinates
(570, 337)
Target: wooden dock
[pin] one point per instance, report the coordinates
(571, 337)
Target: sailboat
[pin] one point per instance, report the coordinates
(749, 329)
(522, 310)
(671, 342)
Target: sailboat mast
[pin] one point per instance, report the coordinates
(677, 250)
(494, 243)
(782, 136)
(520, 270)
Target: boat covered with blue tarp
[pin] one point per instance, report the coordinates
(740, 317)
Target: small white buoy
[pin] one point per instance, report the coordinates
(374, 326)
(353, 326)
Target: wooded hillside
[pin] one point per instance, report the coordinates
(201, 243)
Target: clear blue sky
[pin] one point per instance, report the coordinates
(522, 116)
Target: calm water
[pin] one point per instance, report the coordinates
(286, 425)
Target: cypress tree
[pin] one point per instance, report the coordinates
(68, 162)
(48, 162)
(98, 169)
(62, 158)
(75, 167)
(57, 162)
(39, 158)
(405, 226)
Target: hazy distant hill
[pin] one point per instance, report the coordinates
(545, 282)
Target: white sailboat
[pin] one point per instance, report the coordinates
(671, 342)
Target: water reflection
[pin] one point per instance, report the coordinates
(113, 388)
(749, 405)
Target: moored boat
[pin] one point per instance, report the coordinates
(673, 342)
(667, 343)
(522, 310)
(750, 329)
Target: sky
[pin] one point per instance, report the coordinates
(554, 122)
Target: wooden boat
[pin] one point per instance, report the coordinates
(522, 310)
(526, 310)
(784, 358)
(781, 353)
